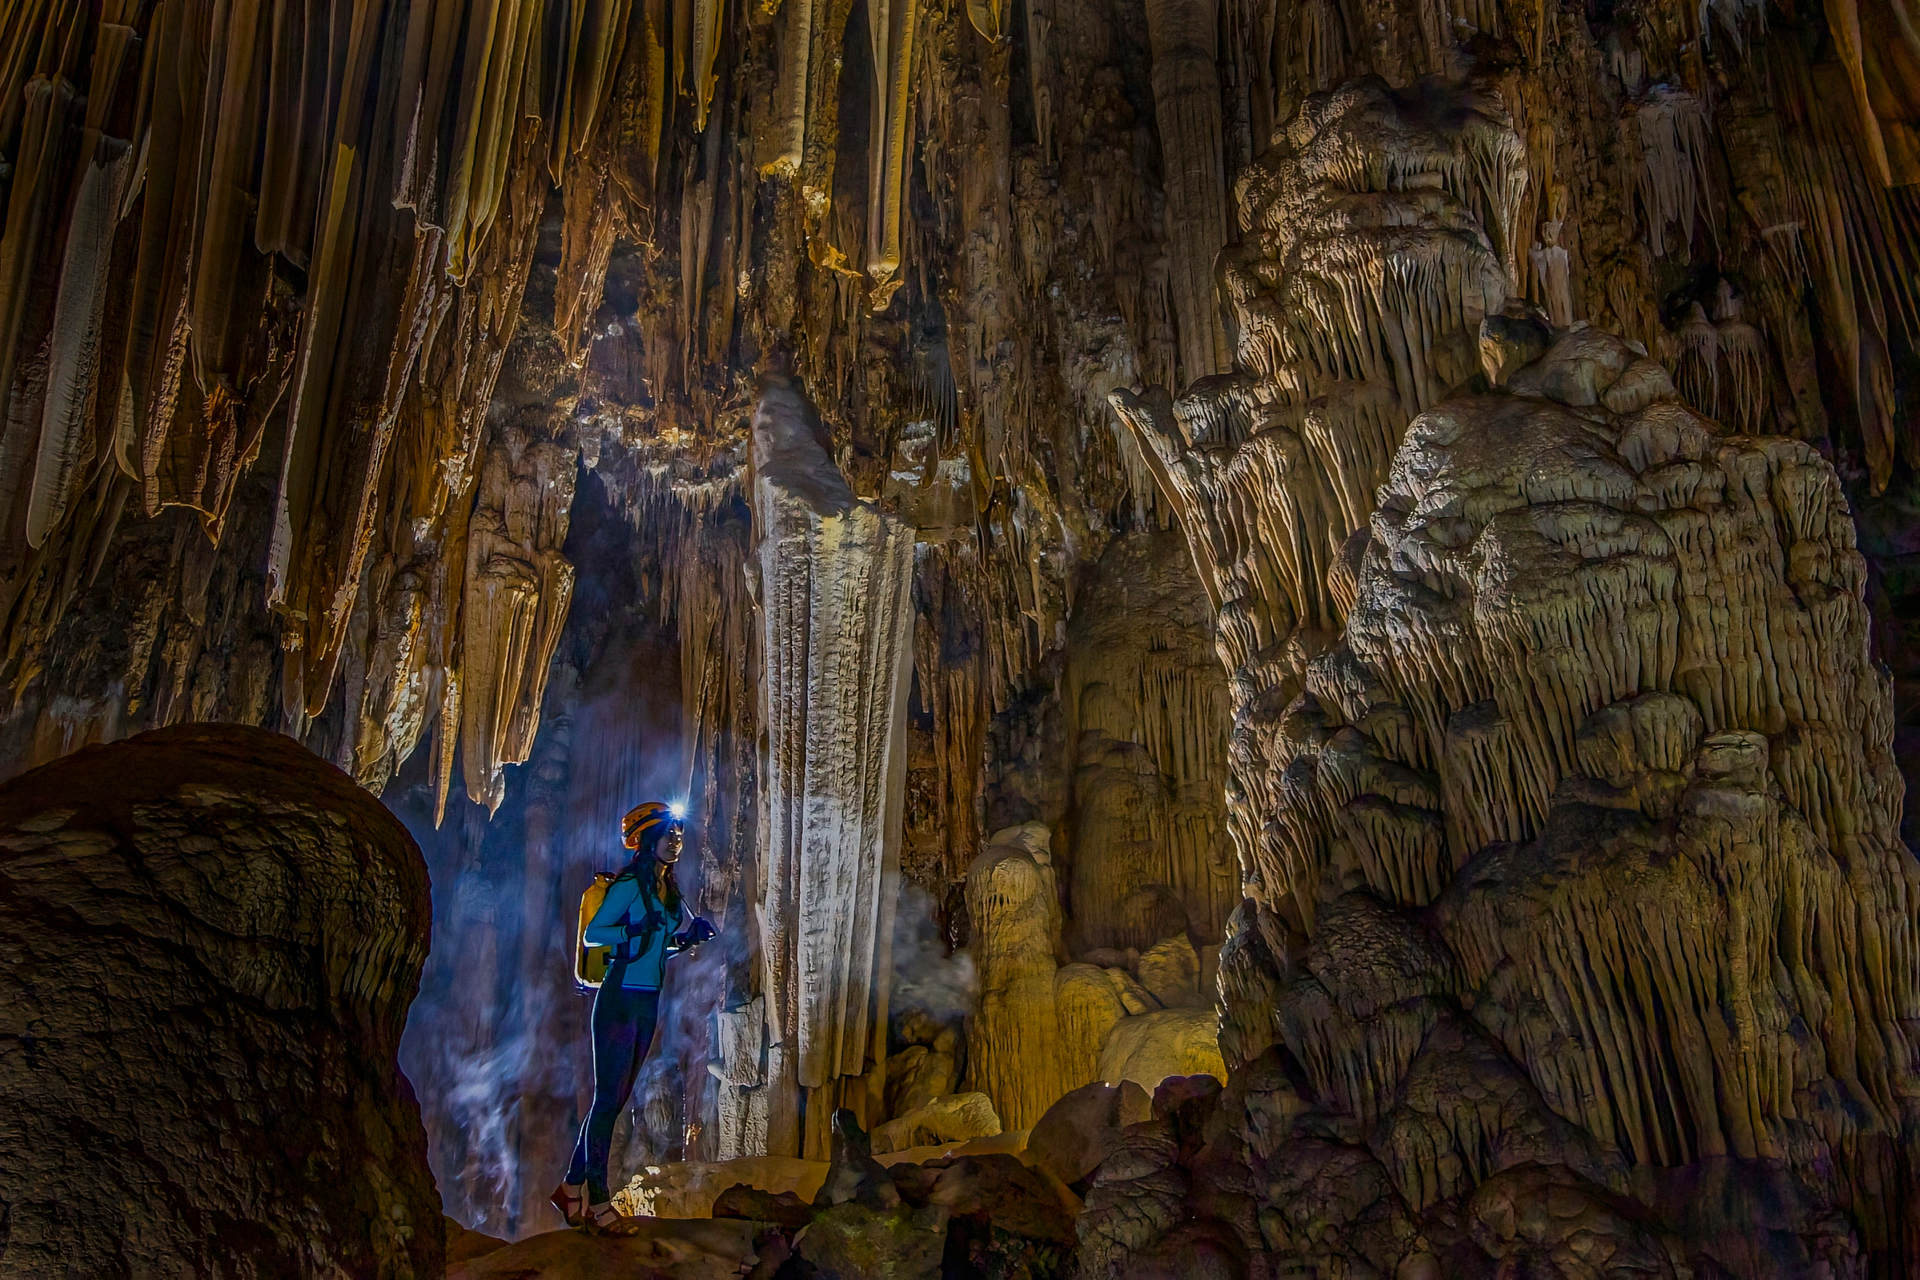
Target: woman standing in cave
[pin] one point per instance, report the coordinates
(636, 919)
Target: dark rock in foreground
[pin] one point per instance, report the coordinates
(208, 941)
(657, 1249)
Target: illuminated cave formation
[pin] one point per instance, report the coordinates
(1285, 630)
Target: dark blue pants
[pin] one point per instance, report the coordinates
(622, 1029)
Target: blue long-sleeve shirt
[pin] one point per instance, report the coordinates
(628, 899)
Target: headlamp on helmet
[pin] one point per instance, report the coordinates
(644, 818)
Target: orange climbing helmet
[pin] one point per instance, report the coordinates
(645, 817)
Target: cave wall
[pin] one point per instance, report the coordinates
(324, 333)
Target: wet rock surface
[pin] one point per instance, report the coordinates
(208, 941)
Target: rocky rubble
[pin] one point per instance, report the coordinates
(959, 1216)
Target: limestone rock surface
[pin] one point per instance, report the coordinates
(954, 1117)
(208, 941)
(689, 1189)
(1170, 969)
(1079, 1130)
(657, 1249)
(927, 1067)
(1170, 1042)
(853, 1241)
(465, 1246)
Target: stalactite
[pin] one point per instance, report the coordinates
(1143, 706)
(1878, 44)
(892, 24)
(1186, 93)
(370, 264)
(1860, 239)
(1672, 183)
(517, 590)
(988, 17)
(1697, 357)
(1744, 350)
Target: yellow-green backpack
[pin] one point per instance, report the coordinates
(590, 964)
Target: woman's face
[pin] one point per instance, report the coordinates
(668, 850)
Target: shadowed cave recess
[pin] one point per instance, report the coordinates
(1287, 628)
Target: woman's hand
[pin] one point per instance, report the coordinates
(701, 930)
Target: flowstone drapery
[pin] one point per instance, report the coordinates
(835, 577)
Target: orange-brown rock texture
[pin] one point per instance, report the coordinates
(208, 942)
(1367, 550)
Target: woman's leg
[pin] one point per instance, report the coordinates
(622, 1028)
(608, 1044)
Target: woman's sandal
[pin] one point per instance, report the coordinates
(571, 1201)
(605, 1220)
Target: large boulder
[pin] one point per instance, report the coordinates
(1082, 1128)
(208, 941)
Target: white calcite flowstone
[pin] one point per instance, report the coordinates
(955, 1117)
(836, 623)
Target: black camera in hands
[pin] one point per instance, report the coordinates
(701, 930)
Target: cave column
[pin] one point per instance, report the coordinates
(836, 614)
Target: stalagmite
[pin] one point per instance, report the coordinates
(1172, 1042)
(836, 621)
(1013, 1038)
(1087, 1005)
(1550, 264)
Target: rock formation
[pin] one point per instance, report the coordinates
(208, 942)
(1397, 507)
(834, 581)
(1012, 1047)
(1145, 706)
(1553, 848)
